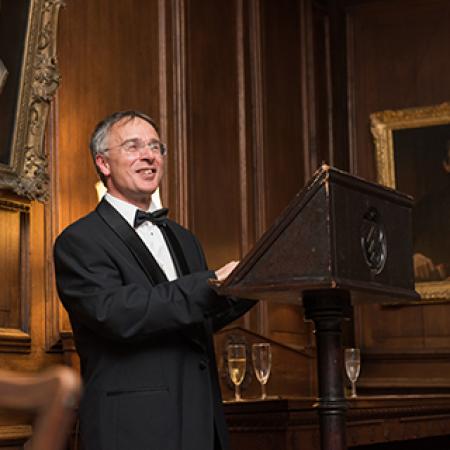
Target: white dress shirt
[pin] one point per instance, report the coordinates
(149, 233)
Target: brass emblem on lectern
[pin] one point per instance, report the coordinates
(373, 241)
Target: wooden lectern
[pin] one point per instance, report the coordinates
(341, 240)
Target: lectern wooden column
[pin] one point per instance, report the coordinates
(342, 240)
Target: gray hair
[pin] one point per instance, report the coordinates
(97, 143)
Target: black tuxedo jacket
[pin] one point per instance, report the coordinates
(145, 343)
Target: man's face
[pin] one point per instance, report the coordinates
(131, 176)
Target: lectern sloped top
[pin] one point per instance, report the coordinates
(339, 232)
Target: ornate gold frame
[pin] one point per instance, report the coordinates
(26, 173)
(382, 126)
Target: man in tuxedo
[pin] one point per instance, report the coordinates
(135, 285)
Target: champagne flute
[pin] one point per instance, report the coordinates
(262, 363)
(352, 367)
(236, 367)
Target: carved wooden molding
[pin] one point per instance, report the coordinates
(12, 205)
(26, 173)
(370, 420)
(53, 307)
(402, 384)
(16, 339)
(14, 434)
(412, 356)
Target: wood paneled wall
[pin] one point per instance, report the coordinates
(398, 58)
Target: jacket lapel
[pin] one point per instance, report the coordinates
(196, 333)
(130, 238)
(146, 260)
(176, 250)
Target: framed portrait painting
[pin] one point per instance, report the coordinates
(28, 80)
(413, 156)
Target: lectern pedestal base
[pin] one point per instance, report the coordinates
(327, 309)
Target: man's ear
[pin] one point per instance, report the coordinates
(102, 163)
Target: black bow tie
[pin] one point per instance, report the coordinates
(158, 217)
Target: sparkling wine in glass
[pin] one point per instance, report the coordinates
(352, 367)
(237, 362)
(262, 363)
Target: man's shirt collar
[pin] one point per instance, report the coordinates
(125, 209)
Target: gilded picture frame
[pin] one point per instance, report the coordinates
(29, 78)
(413, 155)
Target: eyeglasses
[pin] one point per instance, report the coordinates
(134, 146)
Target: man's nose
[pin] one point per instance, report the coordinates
(147, 153)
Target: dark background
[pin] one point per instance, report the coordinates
(13, 30)
(418, 155)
